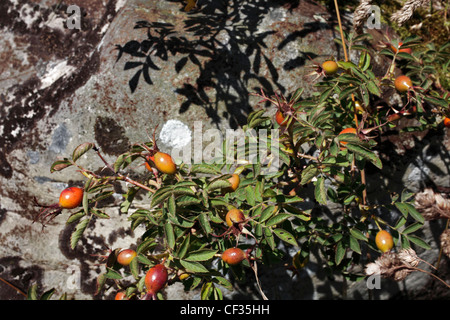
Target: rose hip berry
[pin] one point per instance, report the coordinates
(71, 197)
(330, 67)
(121, 296)
(399, 49)
(235, 181)
(233, 256)
(280, 118)
(155, 280)
(126, 256)
(384, 241)
(447, 122)
(403, 83)
(234, 216)
(164, 163)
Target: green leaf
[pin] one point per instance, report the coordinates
(364, 61)
(47, 295)
(373, 88)
(418, 241)
(257, 121)
(184, 247)
(365, 153)
(278, 218)
(358, 234)
(296, 95)
(171, 205)
(75, 216)
(85, 201)
(76, 235)
(401, 221)
(340, 252)
(354, 245)
(319, 191)
(144, 260)
(359, 73)
(134, 268)
(308, 173)
(285, 236)
(112, 274)
(129, 196)
(412, 228)
(81, 149)
(223, 282)
(200, 255)
(205, 168)
(185, 183)
(32, 293)
(146, 245)
(304, 215)
(183, 190)
(218, 184)
(405, 56)
(184, 201)
(255, 114)
(161, 195)
(414, 213)
(193, 266)
(59, 165)
(266, 213)
(204, 222)
(344, 93)
(102, 195)
(207, 291)
(119, 161)
(402, 208)
(268, 235)
(170, 235)
(250, 192)
(100, 214)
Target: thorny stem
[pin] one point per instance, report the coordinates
(363, 175)
(126, 179)
(14, 287)
(307, 157)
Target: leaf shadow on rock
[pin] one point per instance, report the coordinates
(224, 42)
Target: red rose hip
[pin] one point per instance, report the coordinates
(233, 256)
(155, 280)
(234, 216)
(164, 163)
(71, 197)
(126, 256)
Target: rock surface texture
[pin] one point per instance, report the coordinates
(131, 67)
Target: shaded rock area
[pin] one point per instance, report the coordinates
(135, 65)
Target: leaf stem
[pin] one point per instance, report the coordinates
(14, 287)
(126, 179)
(344, 46)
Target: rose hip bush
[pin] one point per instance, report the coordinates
(326, 141)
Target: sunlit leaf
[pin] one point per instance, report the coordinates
(76, 235)
(60, 165)
(81, 149)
